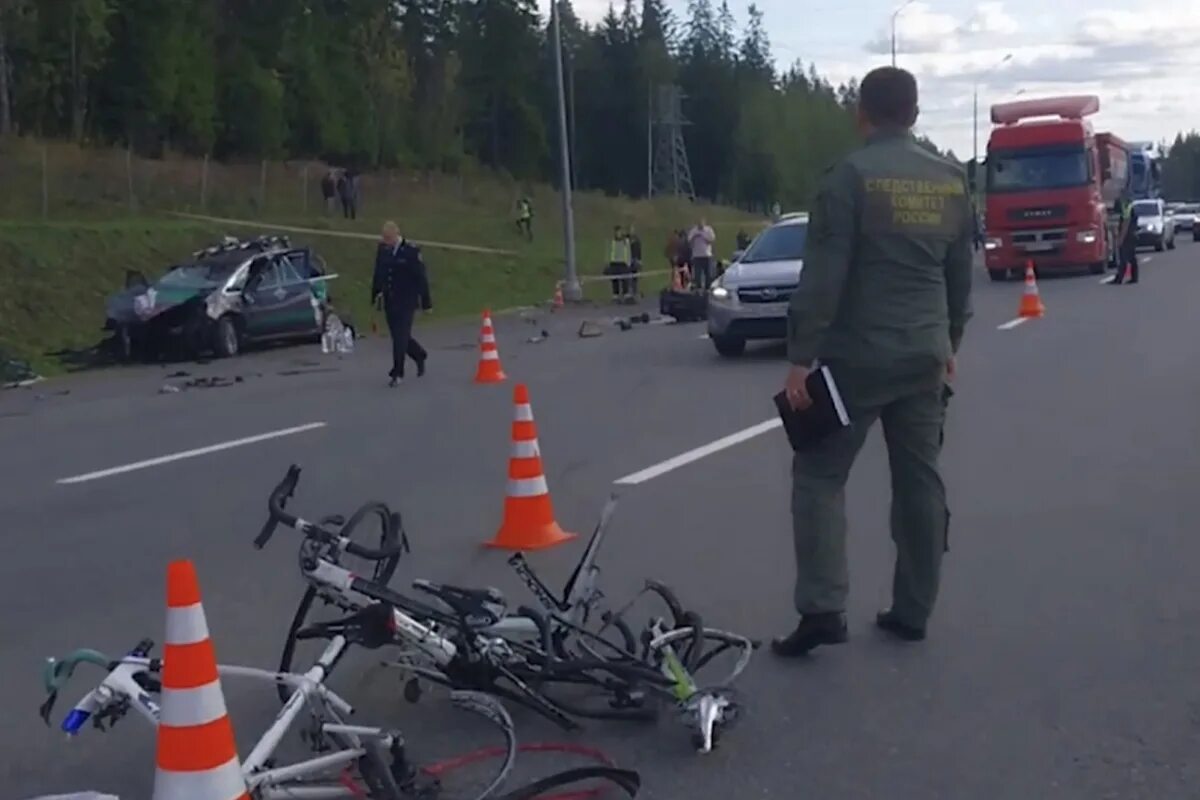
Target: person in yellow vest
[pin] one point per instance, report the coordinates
(618, 263)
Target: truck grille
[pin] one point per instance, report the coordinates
(1042, 241)
(766, 294)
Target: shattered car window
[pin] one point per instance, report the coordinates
(197, 275)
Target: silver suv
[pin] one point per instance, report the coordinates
(750, 300)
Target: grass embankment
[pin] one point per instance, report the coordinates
(55, 275)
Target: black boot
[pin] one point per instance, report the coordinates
(888, 621)
(421, 367)
(813, 631)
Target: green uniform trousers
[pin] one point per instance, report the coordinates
(912, 412)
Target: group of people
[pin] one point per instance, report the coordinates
(341, 186)
(690, 255)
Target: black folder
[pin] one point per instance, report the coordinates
(825, 416)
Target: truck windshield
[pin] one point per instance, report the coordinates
(1023, 170)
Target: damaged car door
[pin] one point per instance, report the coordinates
(302, 314)
(265, 299)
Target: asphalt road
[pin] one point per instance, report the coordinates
(1061, 662)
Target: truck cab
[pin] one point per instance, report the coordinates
(1051, 182)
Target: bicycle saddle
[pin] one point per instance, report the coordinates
(479, 608)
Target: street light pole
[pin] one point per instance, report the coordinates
(895, 14)
(571, 289)
(975, 111)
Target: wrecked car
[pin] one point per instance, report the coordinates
(222, 299)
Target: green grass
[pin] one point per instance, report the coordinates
(55, 271)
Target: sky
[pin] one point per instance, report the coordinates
(1141, 59)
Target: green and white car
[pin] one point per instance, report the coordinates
(222, 299)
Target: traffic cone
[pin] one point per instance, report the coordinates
(489, 370)
(1128, 271)
(528, 513)
(196, 756)
(558, 297)
(1031, 302)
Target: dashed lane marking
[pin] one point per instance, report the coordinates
(683, 459)
(200, 451)
(1012, 323)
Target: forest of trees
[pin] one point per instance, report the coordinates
(1181, 170)
(424, 84)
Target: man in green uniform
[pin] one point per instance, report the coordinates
(882, 301)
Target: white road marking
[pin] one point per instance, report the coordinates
(1108, 279)
(200, 451)
(703, 336)
(683, 459)
(1012, 323)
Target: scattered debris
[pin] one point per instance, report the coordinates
(169, 388)
(588, 330)
(48, 395)
(543, 336)
(180, 374)
(625, 324)
(290, 372)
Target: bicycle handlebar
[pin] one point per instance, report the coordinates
(276, 505)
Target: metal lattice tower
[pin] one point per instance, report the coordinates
(670, 173)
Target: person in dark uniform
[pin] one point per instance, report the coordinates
(400, 287)
(882, 302)
(1128, 239)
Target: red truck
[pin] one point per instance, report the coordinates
(1051, 185)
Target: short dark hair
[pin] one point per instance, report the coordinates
(888, 97)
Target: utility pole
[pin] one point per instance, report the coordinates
(975, 118)
(650, 141)
(895, 14)
(571, 289)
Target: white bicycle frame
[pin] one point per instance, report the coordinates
(441, 650)
(267, 784)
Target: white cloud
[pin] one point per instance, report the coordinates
(919, 29)
(990, 18)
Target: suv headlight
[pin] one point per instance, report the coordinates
(718, 291)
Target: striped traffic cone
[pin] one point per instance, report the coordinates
(1032, 306)
(489, 370)
(528, 513)
(197, 756)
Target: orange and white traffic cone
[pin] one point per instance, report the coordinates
(196, 755)
(1128, 271)
(1031, 302)
(528, 513)
(557, 303)
(489, 370)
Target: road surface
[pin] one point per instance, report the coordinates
(1061, 663)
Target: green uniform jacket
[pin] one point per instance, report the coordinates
(887, 264)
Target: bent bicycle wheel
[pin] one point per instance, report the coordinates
(566, 772)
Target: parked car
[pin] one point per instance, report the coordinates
(750, 301)
(1156, 225)
(221, 299)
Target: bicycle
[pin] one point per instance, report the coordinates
(473, 642)
(354, 761)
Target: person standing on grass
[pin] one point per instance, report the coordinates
(701, 239)
(635, 261)
(329, 191)
(401, 287)
(348, 192)
(618, 262)
(525, 218)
